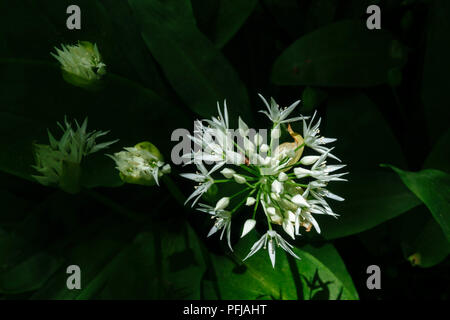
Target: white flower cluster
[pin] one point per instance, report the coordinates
(289, 186)
(82, 60)
(52, 159)
(141, 164)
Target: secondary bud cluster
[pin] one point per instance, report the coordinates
(59, 162)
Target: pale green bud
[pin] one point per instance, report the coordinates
(142, 164)
(249, 225)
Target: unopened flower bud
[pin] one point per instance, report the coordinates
(277, 187)
(271, 211)
(283, 177)
(258, 139)
(239, 179)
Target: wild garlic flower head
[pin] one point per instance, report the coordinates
(81, 63)
(59, 162)
(276, 183)
(142, 164)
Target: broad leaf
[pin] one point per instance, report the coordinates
(430, 246)
(439, 158)
(371, 198)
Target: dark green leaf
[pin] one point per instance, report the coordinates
(319, 270)
(198, 72)
(29, 275)
(433, 188)
(429, 247)
(371, 198)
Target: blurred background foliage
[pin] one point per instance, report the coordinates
(382, 93)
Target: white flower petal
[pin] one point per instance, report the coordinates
(289, 228)
(271, 251)
(248, 226)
